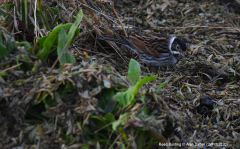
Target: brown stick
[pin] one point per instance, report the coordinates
(96, 19)
(96, 29)
(10, 68)
(98, 32)
(199, 27)
(124, 31)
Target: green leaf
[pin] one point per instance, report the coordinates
(67, 28)
(110, 117)
(2, 51)
(107, 101)
(62, 49)
(161, 86)
(10, 43)
(41, 41)
(48, 43)
(7, 44)
(127, 98)
(111, 104)
(122, 120)
(74, 27)
(4, 75)
(143, 98)
(134, 72)
(85, 147)
(101, 121)
(64, 43)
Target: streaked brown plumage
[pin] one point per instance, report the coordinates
(156, 51)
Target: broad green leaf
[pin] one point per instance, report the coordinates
(74, 27)
(48, 43)
(134, 72)
(67, 28)
(127, 98)
(64, 43)
(2, 51)
(41, 41)
(106, 100)
(85, 147)
(110, 117)
(62, 49)
(111, 104)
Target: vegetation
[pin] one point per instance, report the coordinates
(62, 88)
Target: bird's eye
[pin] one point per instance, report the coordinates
(177, 47)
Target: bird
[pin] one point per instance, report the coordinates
(154, 50)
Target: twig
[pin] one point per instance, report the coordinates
(116, 73)
(204, 31)
(125, 33)
(199, 27)
(97, 30)
(231, 33)
(234, 45)
(96, 19)
(91, 51)
(11, 68)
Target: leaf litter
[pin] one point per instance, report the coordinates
(77, 105)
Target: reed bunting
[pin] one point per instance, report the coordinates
(156, 51)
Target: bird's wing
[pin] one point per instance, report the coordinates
(151, 45)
